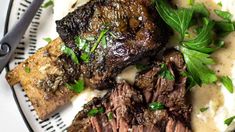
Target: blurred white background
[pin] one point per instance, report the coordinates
(10, 118)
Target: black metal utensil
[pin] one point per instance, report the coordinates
(10, 41)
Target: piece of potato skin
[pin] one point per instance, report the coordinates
(41, 64)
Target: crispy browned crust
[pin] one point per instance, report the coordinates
(40, 66)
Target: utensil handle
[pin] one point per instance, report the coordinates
(10, 41)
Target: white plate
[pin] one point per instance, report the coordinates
(42, 26)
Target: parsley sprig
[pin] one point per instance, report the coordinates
(204, 109)
(229, 120)
(177, 19)
(78, 87)
(195, 51)
(203, 40)
(48, 40)
(27, 69)
(48, 3)
(102, 38)
(156, 106)
(70, 53)
(95, 111)
(166, 73)
(227, 82)
(224, 14)
(84, 47)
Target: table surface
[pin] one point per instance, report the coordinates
(10, 118)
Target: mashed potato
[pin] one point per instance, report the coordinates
(228, 108)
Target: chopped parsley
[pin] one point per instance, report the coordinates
(27, 69)
(224, 14)
(204, 109)
(48, 3)
(227, 82)
(48, 40)
(229, 120)
(110, 115)
(85, 57)
(95, 111)
(84, 46)
(104, 41)
(81, 43)
(102, 34)
(156, 106)
(78, 87)
(69, 52)
(166, 73)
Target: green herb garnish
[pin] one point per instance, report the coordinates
(195, 51)
(203, 39)
(201, 9)
(177, 19)
(85, 57)
(48, 3)
(69, 52)
(156, 106)
(104, 42)
(229, 120)
(82, 44)
(190, 81)
(197, 66)
(166, 73)
(95, 111)
(222, 26)
(102, 34)
(48, 40)
(27, 69)
(78, 87)
(224, 14)
(204, 109)
(110, 115)
(227, 82)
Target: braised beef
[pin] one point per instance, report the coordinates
(133, 33)
(129, 112)
(170, 92)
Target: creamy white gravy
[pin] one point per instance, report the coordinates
(210, 95)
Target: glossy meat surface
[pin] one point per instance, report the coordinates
(133, 33)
